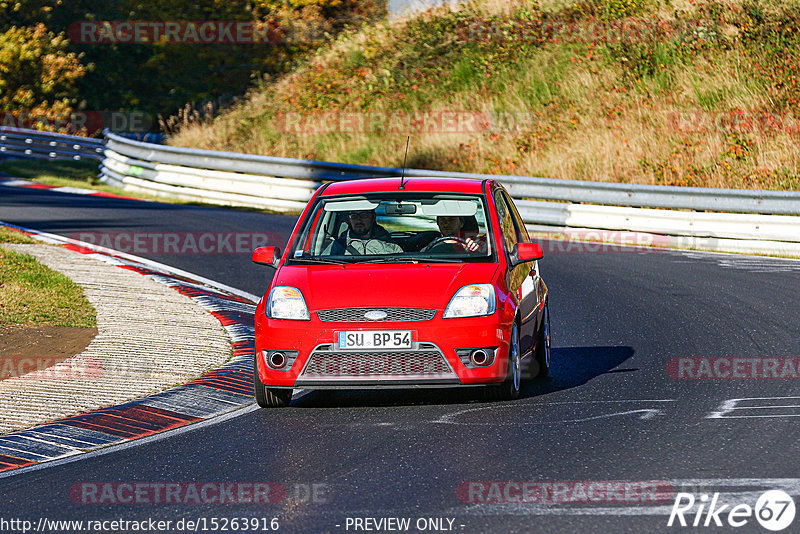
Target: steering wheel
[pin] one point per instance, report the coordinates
(443, 239)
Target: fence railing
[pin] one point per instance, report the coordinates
(259, 168)
(717, 219)
(755, 220)
(46, 145)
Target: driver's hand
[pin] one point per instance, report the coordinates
(476, 245)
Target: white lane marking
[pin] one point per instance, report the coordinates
(62, 189)
(74, 190)
(232, 414)
(753, 264)
(605, 401)
(648, 413)
(765, 407)
(731, 405)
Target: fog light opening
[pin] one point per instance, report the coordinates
(277, 360)
(479, 357)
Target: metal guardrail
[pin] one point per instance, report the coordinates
(684, 223)
(719, 219)
(612, 194)
(46, 145)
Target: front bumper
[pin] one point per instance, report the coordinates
(431, 362)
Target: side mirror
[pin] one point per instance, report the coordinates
(524, 252)
(267, 255)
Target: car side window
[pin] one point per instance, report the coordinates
(522, 232)
(507, 225)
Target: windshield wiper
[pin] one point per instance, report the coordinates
(318, 261)
(401, 259)
(389, 259)
(438, 260)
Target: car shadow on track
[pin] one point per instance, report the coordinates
(571, 367)
(575, 366)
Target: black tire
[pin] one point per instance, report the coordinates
(542, 355)
(509, 389)
(269, 397)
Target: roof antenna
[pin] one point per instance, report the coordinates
(403, 176)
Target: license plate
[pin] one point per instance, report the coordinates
(375, 339)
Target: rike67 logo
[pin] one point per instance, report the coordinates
(774, 510)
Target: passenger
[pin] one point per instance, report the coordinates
(364, 236)
(455, 226)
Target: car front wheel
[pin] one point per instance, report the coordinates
(543, 345)
(509, 389)
(269, 397)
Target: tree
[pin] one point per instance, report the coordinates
(38, 75)
(160, 78)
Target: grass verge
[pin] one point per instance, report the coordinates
(53, 172)
(8, 235)
(33, 294)
(81, 174)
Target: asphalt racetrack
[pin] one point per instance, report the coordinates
(672, 372)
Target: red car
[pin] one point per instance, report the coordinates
(388, 283)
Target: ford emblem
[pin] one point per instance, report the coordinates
(375, 315)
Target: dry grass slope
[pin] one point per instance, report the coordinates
(681, 92)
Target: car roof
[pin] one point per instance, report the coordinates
(387, 185)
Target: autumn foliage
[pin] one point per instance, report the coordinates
(42, 71)
(38, 75)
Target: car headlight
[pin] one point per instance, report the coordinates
(473, 300)
(287, 303)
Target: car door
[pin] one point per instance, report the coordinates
(522, 279)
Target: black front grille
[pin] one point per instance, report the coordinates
(426, 361)
(394, 315)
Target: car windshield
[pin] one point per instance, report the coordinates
(395, 228)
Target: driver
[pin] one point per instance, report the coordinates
(364, 236)
(454, 226)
